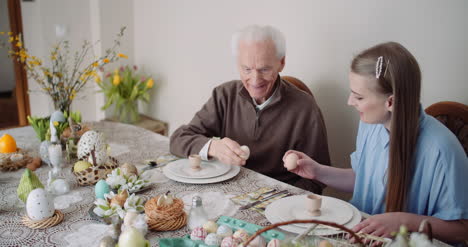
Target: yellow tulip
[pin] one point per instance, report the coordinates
(150, 83)
(56, 123)
(106, 60)
(97, 79)
(116, 80)
(122, 55)
(95, 64)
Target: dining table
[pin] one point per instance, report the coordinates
(128, 144)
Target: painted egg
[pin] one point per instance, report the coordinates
(89, 141)
(7, 144)
(230, 242)
(128, 169)
(224, 231)
(258, 241)
(198, 234)
(39, 205)
(213, 239)
(274, 243)
(210, 226)
(101, 188)
(291, 161)
(57, 116)
(246, 151)
(241, 234)
(132, 238)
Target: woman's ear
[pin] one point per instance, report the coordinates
(389, 103)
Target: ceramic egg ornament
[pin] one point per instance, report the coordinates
(274, 243)
(92, 140)
(246, 151)
(198, 233)
(213, 239)
(290, 162)
(230, 242)
(210, 226)
(242, 235)
(128, 169)
(224, 231)
(101, 188)
(258, 241)
(39, 205)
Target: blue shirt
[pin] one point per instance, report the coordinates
(440, 176)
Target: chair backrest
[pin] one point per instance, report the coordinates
(298, 83)
(454, 116)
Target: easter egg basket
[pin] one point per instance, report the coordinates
(93, 174)
(165, 217)
(233, 223)
(7, 163)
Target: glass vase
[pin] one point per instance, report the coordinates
(128, 112)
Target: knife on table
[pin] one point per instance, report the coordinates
(264, 199)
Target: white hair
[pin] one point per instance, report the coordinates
(257, 33)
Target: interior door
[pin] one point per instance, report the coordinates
(14, 100)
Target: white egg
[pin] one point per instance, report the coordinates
(246, 151)
(291, 161)
(93, 140)
(39, 205)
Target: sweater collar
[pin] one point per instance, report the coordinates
(278, 91)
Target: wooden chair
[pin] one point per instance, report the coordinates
(298, 83)
(454, 116)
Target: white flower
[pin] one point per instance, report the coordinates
(134, 203)
(419, 239)
(116, 179)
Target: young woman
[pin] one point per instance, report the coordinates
(407, 166)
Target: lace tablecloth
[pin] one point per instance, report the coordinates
(128, 144)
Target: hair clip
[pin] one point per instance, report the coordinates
(378, 67)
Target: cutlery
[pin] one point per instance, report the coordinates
(262, 194)
(150, 165)
(264, 199)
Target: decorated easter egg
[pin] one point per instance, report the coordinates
(128, 169)
(101, 188)
(39, 205)
(246, 151)
(258, 241)
(92, 140)
(210, 226)
(198, 233)
(230, 242)
(213, 239)
(241, 234)
(132, 238)
(81, 166)
(291, 161)
(274, 243)
(224, 231)
(57, 116)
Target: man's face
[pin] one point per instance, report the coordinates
(258, 68)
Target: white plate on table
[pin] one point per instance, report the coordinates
(230, 174)
(209, 169)
(272, 214)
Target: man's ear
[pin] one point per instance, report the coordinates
(389, 103)
(283, 62)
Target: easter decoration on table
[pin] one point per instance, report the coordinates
(126, 177)
(165, 213)
(40, 210)
(94, 162)
(118, 204)
(13, 158)
(28, 182)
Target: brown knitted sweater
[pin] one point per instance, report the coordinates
(292, 120)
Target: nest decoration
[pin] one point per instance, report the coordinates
(8, 165)
(165, 217)
(42, 224)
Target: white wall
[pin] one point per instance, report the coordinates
(186, 44)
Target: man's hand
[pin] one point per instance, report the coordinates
(227, 151)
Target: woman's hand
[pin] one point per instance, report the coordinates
(380, 225)
(306, 167)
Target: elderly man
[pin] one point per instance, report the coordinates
(261, 111)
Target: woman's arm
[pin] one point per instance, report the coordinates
(337, 178)
(382, 225)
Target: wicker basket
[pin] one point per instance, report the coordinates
(93, 174)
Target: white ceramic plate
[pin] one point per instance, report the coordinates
(232, 173)
(333, 210)
(272, 216)
(209, 169)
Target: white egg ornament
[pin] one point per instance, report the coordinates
(242, 235)
(246, 151)
(274, 243)
(39, 205)
(93, 140)
(210, 227)
(258, 241)
(224, 231)
(213, 239)
(132, 238)
(290, 162)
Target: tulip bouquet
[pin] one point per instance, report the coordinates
(123, 89)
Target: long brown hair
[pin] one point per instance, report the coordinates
(400, 76)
